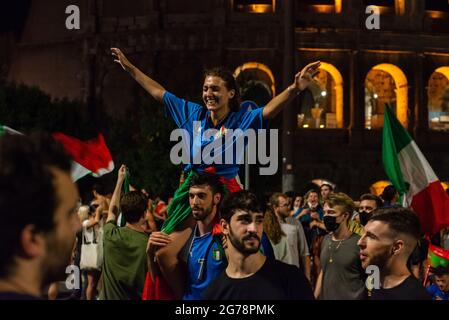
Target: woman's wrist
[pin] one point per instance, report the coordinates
(293, 89)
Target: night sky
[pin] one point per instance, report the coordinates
(13, 15)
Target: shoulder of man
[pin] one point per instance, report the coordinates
(292, 220)
(294, 279)
(185, 251)
(355, 227)
(110, 228)
(216, 286)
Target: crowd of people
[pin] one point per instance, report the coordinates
(318, 245)
(211, 240)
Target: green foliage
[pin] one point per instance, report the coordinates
(142, 142)
(28, 109)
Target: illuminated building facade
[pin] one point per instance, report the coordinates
(335, 126)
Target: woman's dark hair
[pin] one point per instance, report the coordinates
(230, 83)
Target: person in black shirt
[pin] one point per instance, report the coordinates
(387, 242)
(249, 274)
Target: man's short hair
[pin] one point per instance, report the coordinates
(133, 205)
(441, 271)
(341, 199)
(370, 196)
(327, 185)
(209, 179)
(240, 200)
(28, 195)
(400, 220)
(388, 193)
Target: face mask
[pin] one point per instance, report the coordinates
(330, 222)
(364, 217)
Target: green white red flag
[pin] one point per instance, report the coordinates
(412, 176)
(88, 157)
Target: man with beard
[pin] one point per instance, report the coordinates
(298, 253)
(249, 274)
(389, 238)
(38, 212)
(341, 276)
(203, 251)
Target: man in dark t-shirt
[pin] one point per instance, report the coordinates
(409, 289)
(249, 274)
(275, 280)
(387, 242)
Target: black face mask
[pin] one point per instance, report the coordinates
(364, 217)
(330, 222)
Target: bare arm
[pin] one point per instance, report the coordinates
(303, 251)
(151, 86)
(150, 220)
(302, 80)
(318, 285)
(306, 266)
(115, 200)
(156, 241)
(172, 268)
(91, 222)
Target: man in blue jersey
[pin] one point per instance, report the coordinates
(202, 253)
(439, 290)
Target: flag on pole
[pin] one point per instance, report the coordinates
(411, 174)
(88, 157)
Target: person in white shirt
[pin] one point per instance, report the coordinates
(296, 240)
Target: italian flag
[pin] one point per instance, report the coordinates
(438, 257)
(412, 176)
(88, 157)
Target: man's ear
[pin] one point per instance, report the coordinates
(32, 242)
(224, 226)
(217, 198)
(398, 247)
(231, 94)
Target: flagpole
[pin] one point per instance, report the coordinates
(427, 274)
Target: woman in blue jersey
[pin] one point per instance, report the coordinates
(221, 111)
